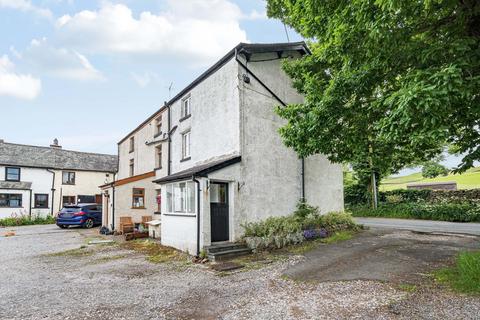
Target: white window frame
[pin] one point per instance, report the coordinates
(186, 145)
(186, 107)
(181, 197)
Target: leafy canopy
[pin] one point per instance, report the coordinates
(399, 78)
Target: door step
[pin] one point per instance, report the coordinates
(226, 251)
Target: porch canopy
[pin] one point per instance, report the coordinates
(201, 170)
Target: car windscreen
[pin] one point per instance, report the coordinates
(70, 209)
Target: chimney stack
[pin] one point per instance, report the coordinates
(55, 144)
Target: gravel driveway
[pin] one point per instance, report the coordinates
(39, 280)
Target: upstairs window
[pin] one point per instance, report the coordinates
(68, 177)
(138, 198)
(158, 156)
(186, 145)
(131, 168)
(132, 144)
(12, 174)
(186, 107)
(158, 126)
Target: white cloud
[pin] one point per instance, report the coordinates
(145, 78)
(195, 30)
(25, 6)
(255, 15)
(23, 86)
(60, 62)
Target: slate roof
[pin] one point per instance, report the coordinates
(55, 158)
(241, 48)
(18, 185)
(201, 170)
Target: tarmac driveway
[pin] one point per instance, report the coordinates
(382, 254)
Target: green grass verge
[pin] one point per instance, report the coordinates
(468, 180)
(464, 276)
(26, 221)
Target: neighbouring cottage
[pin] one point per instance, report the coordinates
(218, 160)
(38, 180)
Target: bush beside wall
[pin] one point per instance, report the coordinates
(26, 220)
(306, 222)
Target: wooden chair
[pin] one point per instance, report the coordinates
(126, 225)
(146, 219)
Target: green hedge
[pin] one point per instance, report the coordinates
(454, 212)
(358, 195)
(25, 220)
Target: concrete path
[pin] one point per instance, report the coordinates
(391, 255)
(422, 225)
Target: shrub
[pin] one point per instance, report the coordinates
(433, 169)
(304, 223)
(355, 194)
(26, 220)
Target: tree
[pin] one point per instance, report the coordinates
(432, 169)
(388, 82)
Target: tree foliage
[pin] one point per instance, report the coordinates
(433, 169)
(388, 80)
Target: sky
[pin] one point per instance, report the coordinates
(88, 72)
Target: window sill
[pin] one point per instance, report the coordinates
(138, 208)
(40, 208)
(157, 212)
(68, 184)
(185, 117)
(185, 159)
(180, 214)
(10, 180)
(12, 207)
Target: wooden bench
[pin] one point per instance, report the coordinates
(126, 225)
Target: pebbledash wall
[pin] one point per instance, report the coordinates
(231, 117)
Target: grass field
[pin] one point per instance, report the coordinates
(467, 180)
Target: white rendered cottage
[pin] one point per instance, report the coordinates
(227, 163)
(38, 181)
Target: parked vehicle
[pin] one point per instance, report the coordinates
(86, 215)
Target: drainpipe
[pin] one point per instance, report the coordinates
(302, 172)
(198, 214)
(113, 202)
(30, 205)
(53, 190)
(169, 127)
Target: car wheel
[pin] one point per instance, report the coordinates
(63, 226)
(88, 224)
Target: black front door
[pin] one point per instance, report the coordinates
(219, 211)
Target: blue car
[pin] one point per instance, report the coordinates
(86, 215)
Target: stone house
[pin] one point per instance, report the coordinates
(38, 181)
(225, 161)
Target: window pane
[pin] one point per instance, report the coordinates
(191, 197)
(13, 174)
(169, 198)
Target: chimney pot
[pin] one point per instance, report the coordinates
(55, 144)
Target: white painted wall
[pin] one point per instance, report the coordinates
(86, 183)
(41, 184)
(214, 121)
(143, 154)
